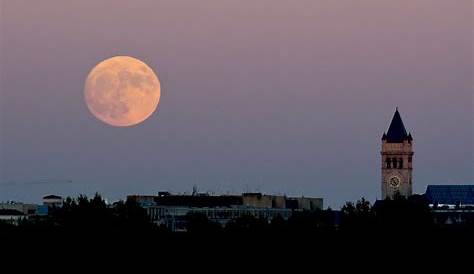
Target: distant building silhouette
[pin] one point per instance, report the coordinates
(52, 201)
(450, 196)
(451, 204)
(171, 210)
(397, 159)
(12, 212)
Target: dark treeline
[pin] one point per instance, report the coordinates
(90, 228)
(87, 214)
(93, 214)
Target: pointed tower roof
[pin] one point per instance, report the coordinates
(396, 132)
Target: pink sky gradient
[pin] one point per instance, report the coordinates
(274, 96)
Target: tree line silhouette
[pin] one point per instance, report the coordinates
(94, 214)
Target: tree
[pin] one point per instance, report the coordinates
(199, 223)
(403, 214)
(358, 216)
(247, 224)
(94, 214)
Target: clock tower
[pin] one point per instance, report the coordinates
(397, 159)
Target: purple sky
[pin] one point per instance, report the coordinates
(274, 96)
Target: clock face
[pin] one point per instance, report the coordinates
(394, 181)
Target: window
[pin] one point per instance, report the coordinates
(394, 162)
(387, 162)
(409, 159)
(400, 163)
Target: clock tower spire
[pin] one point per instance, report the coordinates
(397, 159)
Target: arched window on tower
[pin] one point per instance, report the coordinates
(388, 163)
(394, 162)
(400, 163)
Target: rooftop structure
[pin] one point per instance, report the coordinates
(450, 195)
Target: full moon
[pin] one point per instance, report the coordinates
(122, 91)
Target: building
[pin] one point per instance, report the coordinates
(14, 212)
(171, 210)
(21, 208)
(450, 196)
(11, 218)
(53, 201)
(397, 159)
(451, 204)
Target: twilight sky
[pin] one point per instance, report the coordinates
(286, 97)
